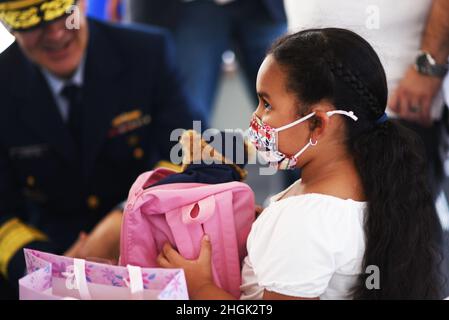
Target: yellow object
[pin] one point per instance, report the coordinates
(26, 14)
(20, 4)
(126, 117)
(31, 181)
(14, 235)
(194, 148)
(93, 202)
(168, 165)
(138, 153)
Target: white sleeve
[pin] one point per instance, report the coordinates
(293, 254)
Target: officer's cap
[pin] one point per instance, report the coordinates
(24, 15)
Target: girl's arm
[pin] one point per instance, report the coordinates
(211, 291)
(198, 274)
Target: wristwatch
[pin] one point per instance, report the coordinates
(426, 64)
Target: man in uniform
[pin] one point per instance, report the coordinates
(85, 108)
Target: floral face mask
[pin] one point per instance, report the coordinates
(265, 139)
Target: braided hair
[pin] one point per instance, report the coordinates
(402, 230)
(357, 86)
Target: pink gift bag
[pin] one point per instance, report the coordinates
(52, 277)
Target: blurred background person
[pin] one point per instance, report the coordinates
(204, 30)
(220, 45)
(408, 38)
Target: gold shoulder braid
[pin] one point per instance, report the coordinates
(14, 235)
(26, 14)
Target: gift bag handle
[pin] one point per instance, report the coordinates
(135, 282)
(79, 269)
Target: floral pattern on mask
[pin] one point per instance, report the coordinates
(265, 138)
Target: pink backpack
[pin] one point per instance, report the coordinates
(181, 213)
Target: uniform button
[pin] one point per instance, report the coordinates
(31, 181)
(93, 202)
(133, 141)
(138, 153)
(147, 119)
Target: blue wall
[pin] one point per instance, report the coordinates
(97, 9)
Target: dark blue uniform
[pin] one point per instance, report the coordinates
(133, 99)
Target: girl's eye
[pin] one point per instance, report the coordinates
(266, 105)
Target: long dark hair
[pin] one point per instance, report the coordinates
(402, 230)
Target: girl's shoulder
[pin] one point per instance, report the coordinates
(318, 200)
(311, 215)
(299, 242)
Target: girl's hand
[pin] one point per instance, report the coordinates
(198, 272)
(259, 210)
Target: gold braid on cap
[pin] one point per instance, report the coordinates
(25, 14)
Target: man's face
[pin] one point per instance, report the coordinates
(55, 47)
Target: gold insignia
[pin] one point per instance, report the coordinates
(127, 122)
(93, 202)
(25, 14)
(138, 153)
(133, 140)
(55, 9)
(126, 117)
(31, 181)
(13, 5)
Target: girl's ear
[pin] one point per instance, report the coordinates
(318, 124)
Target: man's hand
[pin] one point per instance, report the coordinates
(74, 250)
(103, 243)
(412, 99)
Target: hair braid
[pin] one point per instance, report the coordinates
(357, 86)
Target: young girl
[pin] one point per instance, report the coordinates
(360, 223)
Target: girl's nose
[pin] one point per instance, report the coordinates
(259, 112)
